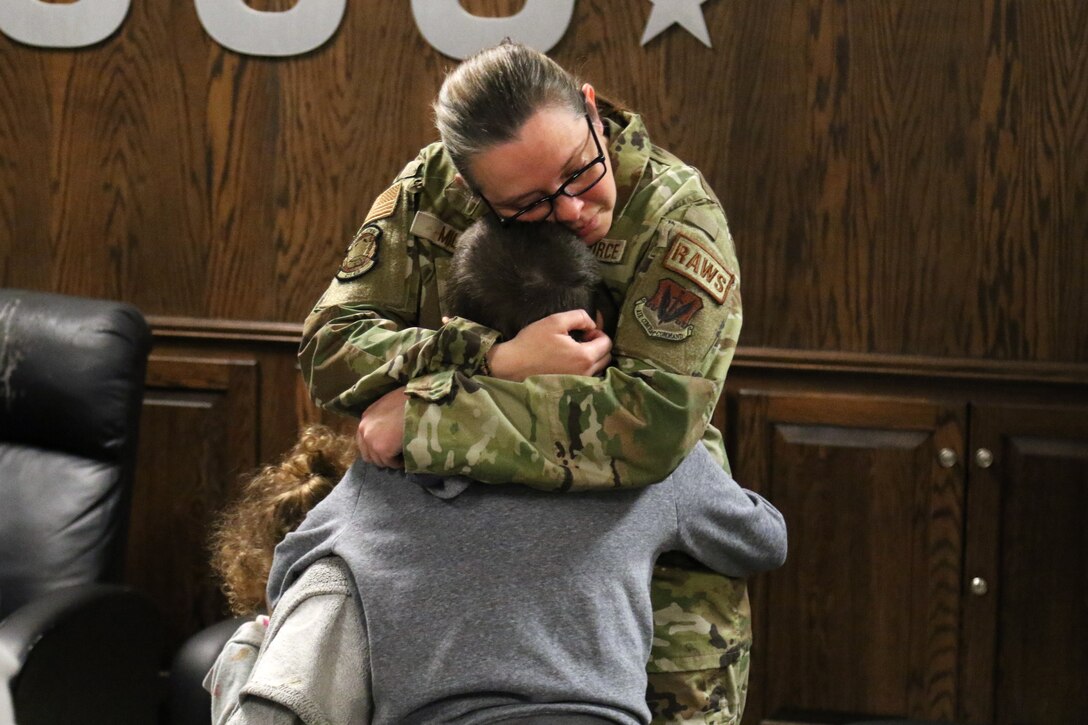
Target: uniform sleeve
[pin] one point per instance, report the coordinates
(677, 328)
(676, 333)
(731, 530)
(362, 339)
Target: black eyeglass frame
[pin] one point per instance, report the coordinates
(562, 190)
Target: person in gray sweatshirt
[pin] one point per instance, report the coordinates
(414, 599)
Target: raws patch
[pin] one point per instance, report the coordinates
(688, 258)
(669, 313)
(362, 254)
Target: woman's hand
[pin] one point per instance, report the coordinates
(380, 435)
(546, 347)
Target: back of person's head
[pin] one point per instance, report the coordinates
(272, 504)
(508, 277)
(487, 99)
(504, 278)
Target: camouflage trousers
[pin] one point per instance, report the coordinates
(699, 664)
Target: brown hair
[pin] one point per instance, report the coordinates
(272, 504)
(488, 98)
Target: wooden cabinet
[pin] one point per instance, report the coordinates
(938, 561)
(1025, 643)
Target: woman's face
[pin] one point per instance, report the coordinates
(552, 145)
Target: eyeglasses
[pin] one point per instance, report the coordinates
(576, 184)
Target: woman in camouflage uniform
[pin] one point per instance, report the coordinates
(523, 140)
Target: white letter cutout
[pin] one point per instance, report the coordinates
(73, 25)
(455, 32)
(235, 25)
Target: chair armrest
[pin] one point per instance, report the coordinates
(88, 653)
(187, 701)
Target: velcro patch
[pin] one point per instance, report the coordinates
(384, 205)
(690, 259)
(428, 226)
(362, 254)
(669, 313)
(609, 251)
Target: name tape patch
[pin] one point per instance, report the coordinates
(428, 226)
(609, 251)
(690, 259)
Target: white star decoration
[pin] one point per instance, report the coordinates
(688, 13)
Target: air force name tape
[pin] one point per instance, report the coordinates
(609, 251)
(428, 226)
(690, 259)
(362, 254)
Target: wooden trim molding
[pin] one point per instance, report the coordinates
(763, 358)
(200, 328)
(746, 358)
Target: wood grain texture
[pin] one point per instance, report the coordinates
(901, 176)
(198, 435)
(865, 613)
(1023, 654)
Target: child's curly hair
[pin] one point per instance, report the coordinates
(271, 505)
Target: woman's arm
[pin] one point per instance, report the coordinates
(677, 332)
(678, 325)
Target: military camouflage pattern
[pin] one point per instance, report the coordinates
(678, 319)
(705, 696)
(686, 682)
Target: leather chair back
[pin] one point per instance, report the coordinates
(71, 386)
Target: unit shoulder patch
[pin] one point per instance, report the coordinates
(362, 254)
(384, 205)
(691, 259)
(668, 314)
(609, 251)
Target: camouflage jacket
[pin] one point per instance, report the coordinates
(671, 273)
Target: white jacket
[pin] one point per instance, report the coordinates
(309, 664)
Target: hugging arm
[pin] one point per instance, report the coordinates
(728, 528)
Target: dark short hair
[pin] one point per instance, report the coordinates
(508, 277)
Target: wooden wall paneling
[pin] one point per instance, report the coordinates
(25, 242)
(849, 200)
(1024, 655)
(198, 433)
(284, 405)
(865, 611)
(901, 177)
(1032, 263)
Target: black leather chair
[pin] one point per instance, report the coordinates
(187, 702)
(84, 648)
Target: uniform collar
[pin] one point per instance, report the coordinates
(629, 149)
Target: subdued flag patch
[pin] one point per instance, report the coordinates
(384, 205)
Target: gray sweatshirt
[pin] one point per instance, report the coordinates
(484, 603)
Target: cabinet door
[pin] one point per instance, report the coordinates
(863, 618)
(1026, 617)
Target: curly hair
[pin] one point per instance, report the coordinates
(270, 505)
